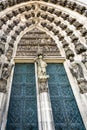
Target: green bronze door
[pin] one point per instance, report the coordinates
(65, 111)
(22, 113)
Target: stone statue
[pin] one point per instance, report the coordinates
(77, 72)
(43, 86)
(6, 70)
(41, 71)
(4, 75)
(41, 67)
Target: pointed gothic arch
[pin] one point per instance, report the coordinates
(65, 25)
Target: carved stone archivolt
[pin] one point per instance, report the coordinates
(65, 3)
(2, 48)
(80, 48)
(9, 53)
(50, 14)
(59, 23)
(5, 66)
(69, 54)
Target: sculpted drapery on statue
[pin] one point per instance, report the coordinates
(41, 65)
(41, 71)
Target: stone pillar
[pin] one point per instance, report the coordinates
(46, 117)
(47, 122)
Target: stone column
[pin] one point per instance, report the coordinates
(47, 122)
(46, 116)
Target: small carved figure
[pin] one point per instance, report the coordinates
(9, 53)
(43, 86)
(80, 48)
(6, 70)
(69, 53)
(77, 71)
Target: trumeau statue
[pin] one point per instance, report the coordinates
(41, 72)
(77, 72)
(41, 66)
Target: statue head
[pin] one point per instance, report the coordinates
(40, 56)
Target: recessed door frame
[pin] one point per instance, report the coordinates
(78, 97)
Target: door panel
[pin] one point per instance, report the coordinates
(22, 113)
(65, 111)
